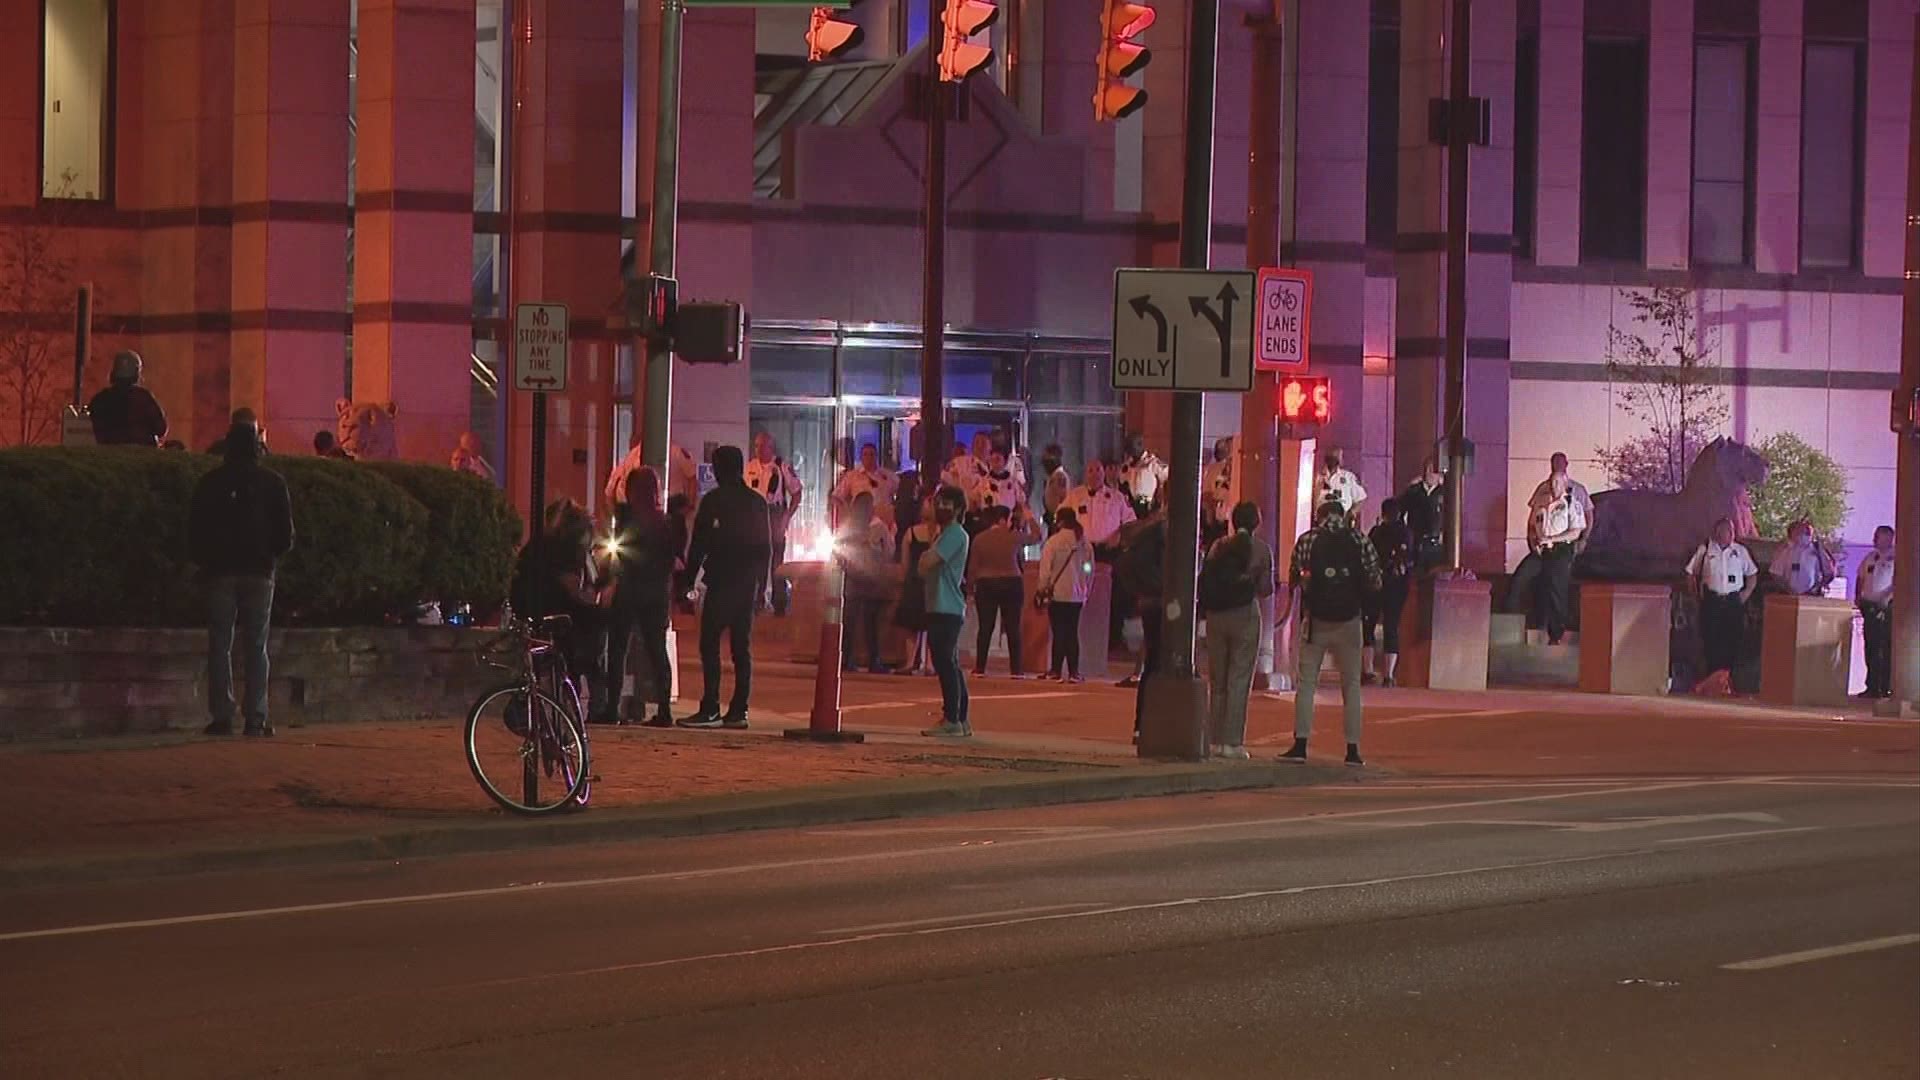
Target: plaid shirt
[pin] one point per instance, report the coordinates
(1302, 564)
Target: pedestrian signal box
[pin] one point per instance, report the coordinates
(1306, 401)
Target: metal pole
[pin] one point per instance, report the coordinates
(518, 15)
(1456, 399)
(1174, 719)
(933, 307)
(664, 212)
(1906, 570)
(1259, 426)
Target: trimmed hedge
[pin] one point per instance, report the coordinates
(97, 536)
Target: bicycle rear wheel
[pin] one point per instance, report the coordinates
(526, 750)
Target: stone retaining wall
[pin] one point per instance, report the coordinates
(77, 683)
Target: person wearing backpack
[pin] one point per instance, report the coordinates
(1334, 568)
(1237, 574)
(239, 526)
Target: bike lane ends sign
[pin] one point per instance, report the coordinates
(1281, 335)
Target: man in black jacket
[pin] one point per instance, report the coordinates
(125, 413)
(732, 542)
(241, 524)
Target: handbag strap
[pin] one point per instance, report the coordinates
(1062, 572)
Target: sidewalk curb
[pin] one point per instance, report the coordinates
(794, 808)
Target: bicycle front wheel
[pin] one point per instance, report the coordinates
(526, 750)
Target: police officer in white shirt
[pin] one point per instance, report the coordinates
(966, 470)
(1216, 493)
(1873, 593)
(1102, 510)
(1000, 487)
(775, 481)
(869, 477)
(1801, 565)
(1723, 575)
(1142, 476)
(1554, 530)
(1339, 485)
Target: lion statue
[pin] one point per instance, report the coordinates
(366, 430)
(1649, 535)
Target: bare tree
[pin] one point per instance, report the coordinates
(1665, 367)
(37, 267)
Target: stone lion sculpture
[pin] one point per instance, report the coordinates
(366, 429)
(1650, 535)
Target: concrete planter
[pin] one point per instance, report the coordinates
(77, 683)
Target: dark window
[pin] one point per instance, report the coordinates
(76, 96)
(1526, 141)
(1830, 166)
(1723, 151)
(880, 370)
(1383, 137)
(791, 371)
(1613, 150)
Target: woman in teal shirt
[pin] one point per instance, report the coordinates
(944, 569)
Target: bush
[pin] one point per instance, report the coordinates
(97, 536)
(472, 533)
(1802, 482)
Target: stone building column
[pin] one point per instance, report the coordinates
(1420, 350)
(568, 144)
(1563, 49)
(289, 290)
(184, 197)
(1670, 135)
(413, 219)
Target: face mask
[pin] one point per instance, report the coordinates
(943, 515)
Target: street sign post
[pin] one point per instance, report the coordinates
(1286, 300)
(1187, 330)
(540, 347)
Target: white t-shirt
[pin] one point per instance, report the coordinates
(857, 481)
(1801, 569)
(1343, 487)
(1723, 570)
(1101, 513)
(1875, 581)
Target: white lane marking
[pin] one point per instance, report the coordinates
(1115, 909)
(1740, 835)
(1470, 715)
(966, 917)
(943, 850)
(1808, 955)
(1785, 782)
(1610, 825)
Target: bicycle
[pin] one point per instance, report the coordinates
(526, 741)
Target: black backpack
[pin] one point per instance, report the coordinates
(1336, 576)
(1225, 584)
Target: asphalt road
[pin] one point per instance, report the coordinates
(1683, 927)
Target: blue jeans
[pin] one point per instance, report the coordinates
(249, 601)
(943, 642)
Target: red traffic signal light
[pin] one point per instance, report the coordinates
(1120, 56)
(828, 37)
(959, 55)
(1305, 399)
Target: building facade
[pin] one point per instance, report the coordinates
(282, 203)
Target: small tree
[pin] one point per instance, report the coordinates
(1802, 482)
(36, 309)
(1665, 368)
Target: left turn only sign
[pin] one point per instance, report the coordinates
(540, 347)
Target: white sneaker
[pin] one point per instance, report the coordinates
(1232, 753)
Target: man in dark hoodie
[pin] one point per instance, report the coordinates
(240, 525)
(732, 542)
(125, 413)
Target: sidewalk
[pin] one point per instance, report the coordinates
(357, 791)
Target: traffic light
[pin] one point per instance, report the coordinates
(653, 304)
(1120, 56)
(1305, 400)
(828, 37)
(960, 56)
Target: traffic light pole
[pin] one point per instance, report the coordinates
(1258, 466)
(1458, 139)
(1174, 720)
(1906, 569)
(933, 302)
(663, 215)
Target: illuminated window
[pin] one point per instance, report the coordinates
(76, 85)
